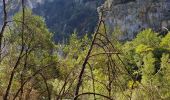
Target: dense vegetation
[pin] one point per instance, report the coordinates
(34, 67)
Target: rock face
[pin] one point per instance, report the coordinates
(131, 16)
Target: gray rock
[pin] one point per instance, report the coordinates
(133, 16)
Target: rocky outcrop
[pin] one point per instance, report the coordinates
(131, 16)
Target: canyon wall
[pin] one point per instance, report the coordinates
(132, 16)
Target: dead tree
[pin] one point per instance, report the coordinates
(102, 41)
(98, 38)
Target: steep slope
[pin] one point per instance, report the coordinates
(132, 16)
(63, 17)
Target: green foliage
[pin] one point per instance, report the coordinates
(143, 48)
(147, 37)
(165, 68)
(166, 41)
(148, 69)
(35, 29)
(150, 54)
(29, 53)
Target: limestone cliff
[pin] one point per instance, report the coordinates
(132, 16)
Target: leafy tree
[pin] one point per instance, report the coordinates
(148, 69)
(29, 55)
(164, 74)
(147, 37)
(165, 41)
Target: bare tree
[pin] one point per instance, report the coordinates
(102, 41)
